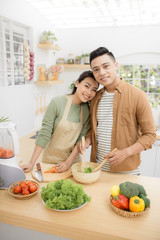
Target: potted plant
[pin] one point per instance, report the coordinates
(72, 85)
(48, 37)
(4, 119)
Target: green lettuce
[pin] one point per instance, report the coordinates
(64, 195)
(88, 170)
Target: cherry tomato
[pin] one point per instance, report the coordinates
(17, 189)
(25, 187)
(30, 183)
(25, 192)
(33, 188)
(22, 184)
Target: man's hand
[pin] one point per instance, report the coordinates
(117, 157)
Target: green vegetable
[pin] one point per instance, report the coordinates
(129, 189)
(3, 119)
(145, 199)
(141, 189)
(88, 170)
(64, 194)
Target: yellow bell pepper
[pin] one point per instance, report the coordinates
(115, 190)
(136, 204)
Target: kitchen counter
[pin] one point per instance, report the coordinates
(96, 220)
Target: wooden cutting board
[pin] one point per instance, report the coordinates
(51, 177)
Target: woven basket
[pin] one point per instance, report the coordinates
(85, 177)
(127, 213)
(20, 196)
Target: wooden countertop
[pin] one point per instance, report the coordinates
(96, 220)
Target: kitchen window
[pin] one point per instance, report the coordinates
(145, 77)
(13, 36)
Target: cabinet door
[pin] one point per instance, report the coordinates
(148, 162)
(157, 165)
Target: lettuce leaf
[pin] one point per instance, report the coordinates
(64, 195)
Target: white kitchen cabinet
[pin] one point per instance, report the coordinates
(157, 166)
(150, 165)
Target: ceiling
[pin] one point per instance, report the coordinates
(64, 14)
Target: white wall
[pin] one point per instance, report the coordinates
(19, 102)
(130, 45)
(124, 42)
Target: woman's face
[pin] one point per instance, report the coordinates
(86, 90)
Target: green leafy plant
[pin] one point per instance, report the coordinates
(4, 119)
(78, 57)
(85, 55)
(48, 36)
(72, 85)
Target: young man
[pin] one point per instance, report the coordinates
(121, 117)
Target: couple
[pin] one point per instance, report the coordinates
(120, 117)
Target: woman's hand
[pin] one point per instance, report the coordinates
(27, 167)
(62, 167)
(87, 144)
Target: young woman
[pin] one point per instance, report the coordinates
(65, 122)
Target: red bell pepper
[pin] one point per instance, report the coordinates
(121, 202)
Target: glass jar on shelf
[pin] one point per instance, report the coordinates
(70, 59)
(78, 60)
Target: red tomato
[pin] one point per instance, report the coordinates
(1, 152)
(25, 187)
(22, 184)
(17, 189)
(8, 153)
(33, 188)
(30, 183)
(25, 192)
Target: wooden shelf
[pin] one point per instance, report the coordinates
(48, 82)
(82, 66)
(48, 46)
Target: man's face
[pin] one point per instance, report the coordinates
(105, 71)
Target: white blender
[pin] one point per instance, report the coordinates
(9, 146)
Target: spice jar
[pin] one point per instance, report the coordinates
(70, 59)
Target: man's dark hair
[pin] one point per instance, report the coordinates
(99, 52)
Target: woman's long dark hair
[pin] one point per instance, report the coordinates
(82, 77)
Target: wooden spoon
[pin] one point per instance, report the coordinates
(83, 154)
(105, 159)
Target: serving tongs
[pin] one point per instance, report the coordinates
(83, 154)
(102, 163)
